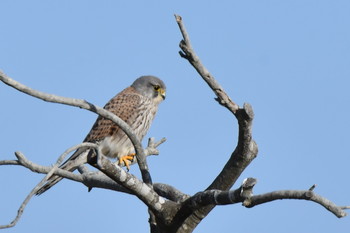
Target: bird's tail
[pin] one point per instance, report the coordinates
(78, 158)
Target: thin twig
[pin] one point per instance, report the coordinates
(312, 187)
(9, 162)
(151, 148)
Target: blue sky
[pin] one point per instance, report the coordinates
(289, 59)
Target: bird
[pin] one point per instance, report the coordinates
(137, 105)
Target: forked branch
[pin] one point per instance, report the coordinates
(246, 149)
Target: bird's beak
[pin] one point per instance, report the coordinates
(162, 93)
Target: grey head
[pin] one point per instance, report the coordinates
(150, 87)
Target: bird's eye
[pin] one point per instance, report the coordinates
(156, 87)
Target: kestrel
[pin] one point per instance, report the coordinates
(137, 106)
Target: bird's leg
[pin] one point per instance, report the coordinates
(127, 159)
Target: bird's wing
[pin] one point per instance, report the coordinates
(126, 105)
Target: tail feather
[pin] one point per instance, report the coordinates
(51, 182)
(78, 158)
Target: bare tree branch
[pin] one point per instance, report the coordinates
(151, 148)
(246, 149)
(244, 195)
(189, 54)
(90, 179)
(23, 161)
(170, 192)
(118, 180)
(97, 179)
(9, 162)
(94, 179)
(129, 181)
(140, 154)
(100, 180)
(219, 197)
(158, 205)
(296, 194)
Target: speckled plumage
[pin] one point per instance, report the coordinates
(137, 106)
(133, 108)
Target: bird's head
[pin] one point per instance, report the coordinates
(151, 87)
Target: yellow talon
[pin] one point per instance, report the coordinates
(127, 159)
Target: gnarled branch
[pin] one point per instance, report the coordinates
(246, 149)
